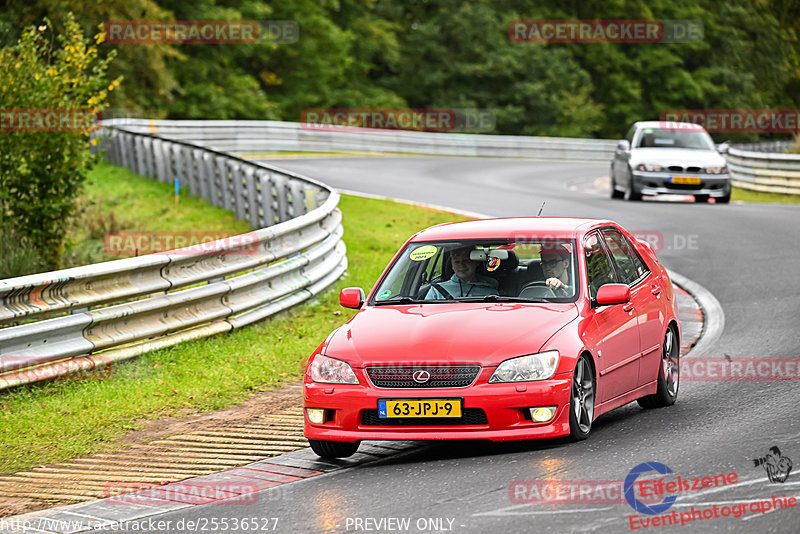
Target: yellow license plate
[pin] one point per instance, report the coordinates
(687, 180)
(419, 408)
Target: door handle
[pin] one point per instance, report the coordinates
(655, 289)
(628, 307)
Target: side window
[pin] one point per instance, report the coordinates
(630, 266)
(599, 269)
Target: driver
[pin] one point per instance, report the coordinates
(465, 282)
(555, 266)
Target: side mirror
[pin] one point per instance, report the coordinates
(723, 148)
(610, 294)
(351, 297)
(624, 145)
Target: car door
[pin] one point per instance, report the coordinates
(615, 326)
(646, 297)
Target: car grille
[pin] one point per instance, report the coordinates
(686, 187)
(441, 376)
(470, 416)
(680, 168)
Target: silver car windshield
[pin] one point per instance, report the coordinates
(531, 270)
(675, 138)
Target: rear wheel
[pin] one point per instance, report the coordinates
(668, 374)
(333, 449)
(581, 405)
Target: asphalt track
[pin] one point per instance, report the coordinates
(746, 255)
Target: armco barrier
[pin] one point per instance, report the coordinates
(764, 171)
(119, 309)
(269, 136)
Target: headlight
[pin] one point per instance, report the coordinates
(527, 368)
(716, 170)
(649, 167)
(332, 371)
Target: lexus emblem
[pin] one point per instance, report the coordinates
(421, 376)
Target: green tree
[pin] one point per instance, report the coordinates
(41, 170)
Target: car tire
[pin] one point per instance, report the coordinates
(668, 374)
(701, 198)
(630, 193)
(614, 192)
(724, 199)
(333, 449)
(582, 397)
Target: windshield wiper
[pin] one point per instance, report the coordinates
(497, 298)
(400, 300)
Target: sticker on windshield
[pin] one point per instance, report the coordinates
(493, 264)
(385, 294)
(423, 253)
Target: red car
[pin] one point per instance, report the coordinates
(498, 329)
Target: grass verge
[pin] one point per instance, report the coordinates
(116, 200)
(64, 419)
(746, 195)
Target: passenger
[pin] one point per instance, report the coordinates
(465, 282)
(555, 266)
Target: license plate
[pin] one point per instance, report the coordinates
(419, 408)
(687, 180)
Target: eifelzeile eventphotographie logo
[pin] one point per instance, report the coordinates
(412, 119)
(733, 120)
(655, 479)
(180, 243)
(777, 466)
(585, 31)
(125, 32)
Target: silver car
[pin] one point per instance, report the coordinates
(674, 158)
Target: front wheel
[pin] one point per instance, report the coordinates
(668, 374)
(581, 405)
(333, 449)
(630, 191)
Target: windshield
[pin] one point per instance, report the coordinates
(675, 138)
(533, 270)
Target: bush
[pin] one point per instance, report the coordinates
(42, 164)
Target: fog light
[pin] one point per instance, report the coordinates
(542, 414)
(316, 415)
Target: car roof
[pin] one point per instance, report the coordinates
(668, 124)
(554, 227)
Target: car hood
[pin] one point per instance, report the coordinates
(447, 333)
(677, 156)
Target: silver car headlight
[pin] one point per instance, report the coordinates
(529, 368)
(331, 371)
(649, 167)
(716, 170)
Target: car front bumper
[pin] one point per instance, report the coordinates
(504, 405)
(660, 183)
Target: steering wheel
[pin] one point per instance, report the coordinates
(537, 283)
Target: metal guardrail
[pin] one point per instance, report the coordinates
(122, 308)
(270, 136)
(763, 171)
(777, 147)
